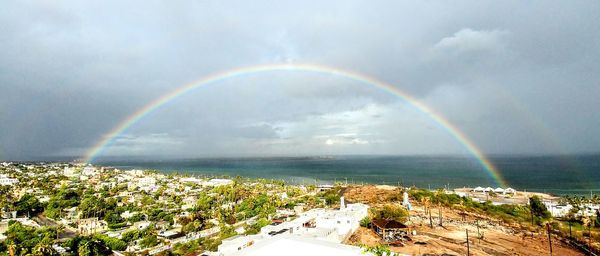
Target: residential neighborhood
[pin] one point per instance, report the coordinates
(81, 209)
(145, 212)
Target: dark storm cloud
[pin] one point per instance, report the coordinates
(515, 77)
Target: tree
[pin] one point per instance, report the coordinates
(537, 208)
(44, 250)
(28, 204)
(112, 243)
(149, 240)
(25, 240)
(204, 202)
(390, 212)
(88, 248)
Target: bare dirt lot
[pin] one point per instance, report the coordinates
(493, 237)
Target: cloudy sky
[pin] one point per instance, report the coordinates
(517, 77)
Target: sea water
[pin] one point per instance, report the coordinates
(575, 174)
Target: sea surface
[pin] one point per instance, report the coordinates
(560, 175)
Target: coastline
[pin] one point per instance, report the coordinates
(536, 174)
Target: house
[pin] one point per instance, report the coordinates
(510, 191)
(558, 210)
(324, 187)
(140, 225)
(499, 190)
(189, 202)
(70, 172)
(390, 230)
(128, 214)
(217, 182)
(170, 234)
(7, 181)
(71, 214)
(478, 189)
(89, 171)
(91, 226)
(236, 243)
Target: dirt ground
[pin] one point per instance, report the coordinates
(371, 195)
(495, 237)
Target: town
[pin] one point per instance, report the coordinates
(80, 209)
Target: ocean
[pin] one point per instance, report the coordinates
(560, 175)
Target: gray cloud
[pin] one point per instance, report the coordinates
(518, 79)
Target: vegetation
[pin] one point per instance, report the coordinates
(378, 250)
(389, 212)
(24, 240)
(365, 222)
(505, 212)
(538, 209)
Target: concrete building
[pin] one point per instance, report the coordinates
(7, 181)
(217, 182)
(297, 245)
(558, 210)
(91, 226)
(328, 226)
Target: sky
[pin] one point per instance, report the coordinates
(516, 77)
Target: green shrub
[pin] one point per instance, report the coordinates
(365, 222)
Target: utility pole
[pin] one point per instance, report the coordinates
(468, 247)
(440, 214)
(430, 220)
(478, 234)
(549, 237)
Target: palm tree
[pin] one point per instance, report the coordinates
(59, 230)
(425, 202)
(12, 249)
(89, 248)
(44, 250)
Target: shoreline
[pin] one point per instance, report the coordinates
(353, 180)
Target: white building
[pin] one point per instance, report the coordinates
(217, 182)
(70, 172)
(189, 202)
(128, 214)
(91, 226)
(137, 173)
(478, 189)
(7, 181)
(328, 227)
(237, 243)
(89, 171)
(558, 210)
(144, 183)
(140, 225)
(191, 180)
(297, 245)
(510, 191)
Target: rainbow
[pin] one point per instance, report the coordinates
(106, 141)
